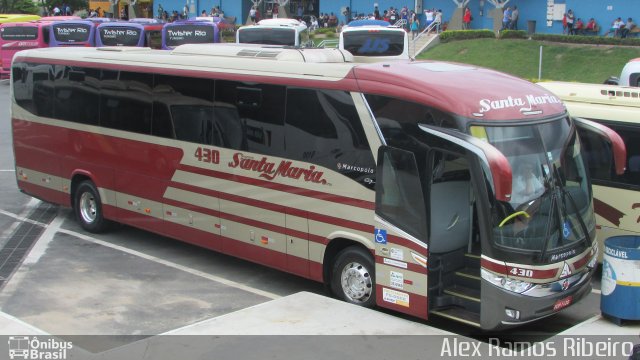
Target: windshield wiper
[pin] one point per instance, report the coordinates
(567, 194)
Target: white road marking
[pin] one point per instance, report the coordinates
(55, 227)
(43, 242)
(596, 291)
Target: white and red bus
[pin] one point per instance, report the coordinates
(391, 183)
(616, 196)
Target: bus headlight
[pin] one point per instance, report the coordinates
(513, 285)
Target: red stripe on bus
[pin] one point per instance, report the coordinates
(582, 261)
(241, 220)
(505, 270)
(491, 266)
(277, 208)
(44, 193)
(255, 253)
(364, 204)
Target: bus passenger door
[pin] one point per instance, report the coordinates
(400, 234)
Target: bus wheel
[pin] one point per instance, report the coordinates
(352, 278)
(88, 208)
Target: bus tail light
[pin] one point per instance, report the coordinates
(506, 283)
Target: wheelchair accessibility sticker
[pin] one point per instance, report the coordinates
(381, 236)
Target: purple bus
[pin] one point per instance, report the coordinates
(120, 33)
(72, 33)
(189, 32)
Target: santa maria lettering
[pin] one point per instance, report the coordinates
(268, 170)
(510, 102)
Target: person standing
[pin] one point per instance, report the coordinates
(515, 14)
(506, 18)
(570, 21)
(252, 14)
(415, 26)
(466, 19)
(347, 15)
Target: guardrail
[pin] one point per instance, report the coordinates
(328, 43)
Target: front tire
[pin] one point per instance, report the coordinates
(353, 277)
(88, 208)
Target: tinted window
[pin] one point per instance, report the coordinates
(70, 33)
(399, 120)
(267, 36)
(189, 104)
(323, 127)
(39, 98)
(19, 33)
(260, 109)
(189, 34)
(378, 43)
(77, 95)
(125, 102)
(598, 155)
(119, 35)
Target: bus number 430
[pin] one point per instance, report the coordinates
(207, 155)
(521, 272)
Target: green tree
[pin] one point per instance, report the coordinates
(18, 7)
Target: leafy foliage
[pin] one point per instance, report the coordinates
(513, 34)
(580, 39)
(18, 7)
(452, 35)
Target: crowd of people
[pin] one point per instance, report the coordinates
(510, 18)
(572, 25)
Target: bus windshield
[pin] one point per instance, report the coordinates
(179, 34)
(551, 195)
(121, 35)
(71, 33)
(269, 36)
(9, 33)
(368, 42)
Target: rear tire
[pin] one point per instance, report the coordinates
(353, 277)
(88, 208)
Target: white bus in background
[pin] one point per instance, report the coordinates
(286, 32)
(616, 196)
(374, 40)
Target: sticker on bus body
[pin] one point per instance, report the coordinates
(396, 280)
(395, 297)
(380, 236)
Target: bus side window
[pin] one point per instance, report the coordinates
(77, 95)
(43, 90)
(260, 109)
(126, 101)
(183, 107)
(323, 127)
